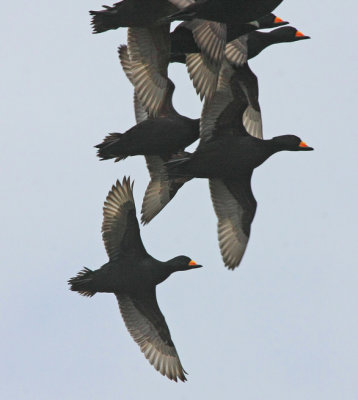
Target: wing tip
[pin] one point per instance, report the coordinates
(120, 193)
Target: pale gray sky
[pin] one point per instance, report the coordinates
(282, 326)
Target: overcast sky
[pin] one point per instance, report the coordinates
(282, 326)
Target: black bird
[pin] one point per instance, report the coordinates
(204, 73)
(132, 275)
(183, 41)
(227, 11)
(160, 136)
(131, 13)
(227, 156)
(160, 131)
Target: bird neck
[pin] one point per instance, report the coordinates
(258, 41)
(162, 272)
(275, 146)
(236, 30)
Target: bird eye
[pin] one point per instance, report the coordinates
(192, 262)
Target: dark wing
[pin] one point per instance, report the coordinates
(204, 67)
(204, 74)
(222, 115)
(120, 229)
(210, 37)
(251, 119)
(160, 190)
(235, 207)
(236, 51)
(125, 61)
(148, 328)
(149, 53)
(140, 112)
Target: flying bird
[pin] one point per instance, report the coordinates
(132, 275)
(131, 13)
(161, 131)
(226, 11)
(227, 155)
(209, 35)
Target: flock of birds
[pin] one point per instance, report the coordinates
(215, 41)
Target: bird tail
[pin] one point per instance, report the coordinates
(186, 14)
(83, 283)
(111, 147)
(106, 19)
(177, 166)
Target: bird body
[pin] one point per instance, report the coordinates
(126, 276)
(131, 13)
(227, 11)
(226, 157)
(232, 156)
(160, 136)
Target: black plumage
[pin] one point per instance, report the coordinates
(130, 13)
(227, 11)
(160, 132)
(161, 136)
(227, 156)
(132, 275)
(258, 41)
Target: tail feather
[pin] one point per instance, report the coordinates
(111, 148)
(176, 167)
(186, 14)
(82, 283)
(106, 19)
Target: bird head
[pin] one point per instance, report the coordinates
(270, 21)
(290, 143)
(288, 34)
(182, 263)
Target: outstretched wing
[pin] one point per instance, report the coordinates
(234, 108)
(236, 51)
(235, 207)
(252, 119)
(161, 188)
(222, 115)
(204, 74)
(149, 53)
(120, 229)
(204, 67)
(148, 328)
